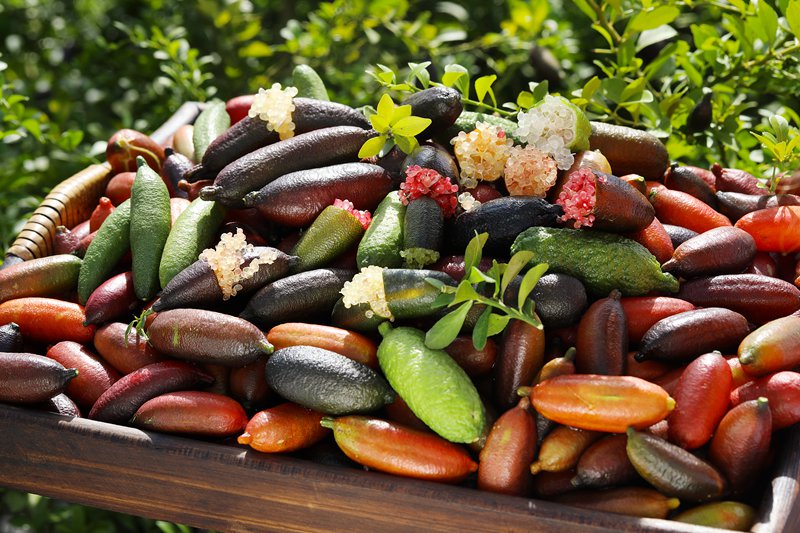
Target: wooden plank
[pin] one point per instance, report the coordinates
(230, 488)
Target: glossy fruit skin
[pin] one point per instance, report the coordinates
(656, 239)
(52, 275)
(348, 343)
(248, 384)
(10, 338)
(126, 145)
(200, 413)
(741, 444)
(641, 312)
(203, 336)
(723, 250)
(94, 377)
(602, 343)
(520, 358)
(561, 449)
(47, 320)
(330, 235)
(284, 428)
(119, 187)
(685, 180)
(107, 247)
(27, 378)
(774, 229)
(119, 403)
(735, 180)
(617, 402)
(701, 400)
(630, 151)
(510, 447)
(635, 501)
(782, 390)
(773, 347)
(605, 464)
(125, 354)
(402, 451)
(681, 209)
(731, 515)
(673, 470)
(474, 362)
(114, 299)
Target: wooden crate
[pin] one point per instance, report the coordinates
(234, 488)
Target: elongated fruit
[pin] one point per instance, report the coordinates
(436, 389)
(773, 347)
(562, 447)
(124, 353)
(510, 447)
(641, 312)
(94, 377)
(106, 249)
(30, 378)
(720, 250)
(47, 320)
(201, 413)
(44, 276)
(326, 381)
(672, 470)
(782, 391)
(399, 450)
(602, 342)
(203, 336)
(344, 342)
(210, 124)
(605, 464)
(284, 428)
(521, 357)
(150, 227)
(114, 299)
(383, 240)
(735, 516)
(601, 403)
(119, 403)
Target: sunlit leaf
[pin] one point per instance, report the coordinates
(529, 281)
(497, 323)
(410, 126)
(464, 292)
(515, 265)
(483, 86)
(372, 147)
(447, 328)
(793, 17)
(647, 20)
(474, 251)
(480, 332)
(386, 106)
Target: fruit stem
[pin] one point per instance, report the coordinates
(327, 422)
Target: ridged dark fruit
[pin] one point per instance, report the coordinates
(326, 381)
(203, 336)
(440, 104)
(29, 378)
(10, 338)
(297, 198)
(434, 157)
(724, 250)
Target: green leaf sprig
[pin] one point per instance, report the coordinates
(474, 289)
(782, 143)
(396, 126)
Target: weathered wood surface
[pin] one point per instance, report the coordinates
(230, 488)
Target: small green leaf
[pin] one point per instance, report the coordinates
(386, 107)
(590, 88)
(477, 276)
(480, 333)
(399, 112)
(406, 144)
(529, 281)
(460, 82)
(525, 99)
(474, 251)
(540, 90)
(793, 17)
(372, 147)
(465, 292)
(648, 20)
(518, 261)
(450, 78)
(387, 147)
(447, 328)
(768, 19)
(497, 323)
(420, 72)
(410, 126)
(442, 300)
(483, 86)
(379, 123)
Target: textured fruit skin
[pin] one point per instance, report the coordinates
(400, 450)
(108, 246)
(308, 83)
(119, 187)
(618, 206)
(724, 250)
(602, 343)
(94, 377)
(200, 413)
(630, 151)
(119, 403)
(192, 233)
(29, 378)
(44, 276)
(172, 171)
(605, 464)
(673, 470)
(124, 354)
(11, 338)
(203, 336)
(248, 384)
(773, 347)
(735, 180)
(47, 320)
(114, 299)
(149, 226)
(100, 213)
(331, 234)
(701, 400)
(408, 295)
(284, 428)
(686, 180)
(60, 404)
(297, 198)
(326, 381)
(344, 342)
(774, 229)
(641, 312)
(561, 448)
(126, 145)
(741, 445)
(686, 335)
(383, 239)
(423, 231)
(587, 255)
(510, 447)
(251, 172)
(735, 205)
(474, 362)
(732, 515)
(436, 389)
(440, 104)
(782, 390)
(601, 403)
(212, 121)
(634, 501)
(758, 298)
(520, 358)
(656, 239)
(682, 209)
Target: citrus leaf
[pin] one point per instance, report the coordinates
(399, 112)
(497, 323)
(410, 126)
(465, 292)
(379, 123)
(474, 251)
(648, 20)
(386, 106)
(477, 276)
(406, 144)
(793, 17)
(518, 261)
(480, 333)
(387, 147)
(372, 147)
(483, 86)
(450, 78)
(447, 328)
(529, 281)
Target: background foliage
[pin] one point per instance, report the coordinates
(700, 74)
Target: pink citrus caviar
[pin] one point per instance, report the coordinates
(364, 217)
(578, 197)
(427, 182)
